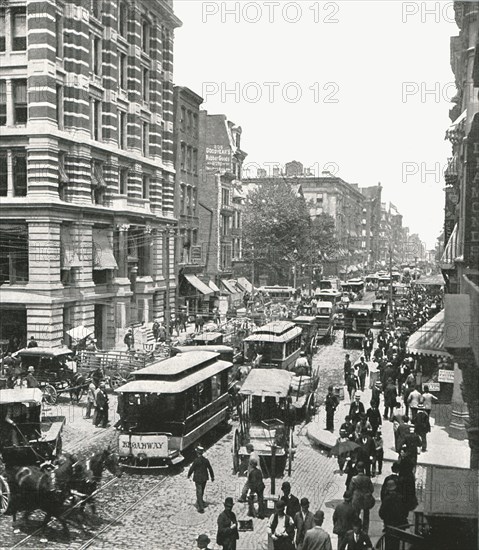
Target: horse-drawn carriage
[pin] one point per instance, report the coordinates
(273, 400)
(26, 437)
(54, 370)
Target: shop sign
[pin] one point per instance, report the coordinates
(445, 376)
(218, 158)
(433, 386)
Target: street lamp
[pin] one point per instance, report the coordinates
(295, 258)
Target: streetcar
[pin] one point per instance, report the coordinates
(371, 281)
(358, 319)
(333, 283)
(208, 339)
(278, 343)
(278, 293)
(309, 327)
(333, 296)
(169, 406)
(325, 319)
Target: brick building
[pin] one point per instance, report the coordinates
(371, 223)
(86, 166)
(220, 198)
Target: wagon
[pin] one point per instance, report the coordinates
(26, 438)
(54, 371)
(273, 401)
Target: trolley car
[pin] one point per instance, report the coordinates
(278, 343)
(169, 406)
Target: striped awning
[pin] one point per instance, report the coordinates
(451, 252)
(429, 339)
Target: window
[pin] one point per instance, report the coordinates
(189, 159)
(183, 119)
(63, 178)
(59, 34)
(188, 200)
(96, 119)
(3, 103)
(19, 174)
(189, 121)
(195, 161)
(20, 101)
(3, 174)
(96, 60)
(59, 98)
(182, 199)
(225, 197)
(96, 8)
(145, 36)
(122, 129)
(19, 29)
(145, 138)
(97, 182)
(122, 19)
(183, 156)
(14, 265)
(195, 124)
(146, 85)
(319, 199)
(146, 186)
(225, 225)
(2, 30)
(122, 70)
(123, 181)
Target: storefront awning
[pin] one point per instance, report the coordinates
(429, 339)
(229, 286)
(213, 287)
(245, 284)
(199, 285)
(451, 252)
(103, 257)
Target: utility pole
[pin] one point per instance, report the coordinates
(167, 233)
(391, 302)
(252, 280)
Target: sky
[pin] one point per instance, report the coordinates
(359, 88)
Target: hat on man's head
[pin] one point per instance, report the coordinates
(420, 405)
(280, 505)
(357, 394)
(203, 539)
(200, 449)
(31, 369)
(229, 501)
(319, 515)
(302, 353)
(304, 501)
(286, 485)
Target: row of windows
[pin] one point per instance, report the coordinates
(188, 121)
(17, 26)
(189, 159)
(18, 181)
(188, 199)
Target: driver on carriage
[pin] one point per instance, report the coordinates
(301, 367)
(30, 379)
(8, 427)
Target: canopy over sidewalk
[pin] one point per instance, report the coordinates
(429, 339)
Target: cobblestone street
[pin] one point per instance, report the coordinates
(166, 516)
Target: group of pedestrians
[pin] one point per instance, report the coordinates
(97, 401)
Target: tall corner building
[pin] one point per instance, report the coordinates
(87, 176)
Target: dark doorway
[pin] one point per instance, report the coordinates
(99, 324)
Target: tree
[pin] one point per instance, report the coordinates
(323, 239)
(276, 228)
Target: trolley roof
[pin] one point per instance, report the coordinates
(360, 307)
(21, 395)
(181, 364)
(172, 385)
(267, 383)
(216, 348)
(206, 336)
(267, 336)
(324, 304)
(305, 319)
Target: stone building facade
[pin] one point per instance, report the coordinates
(86, 166)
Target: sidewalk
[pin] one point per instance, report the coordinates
(442, 449)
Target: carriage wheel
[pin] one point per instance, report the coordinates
(4, 495)
(236, 448)
(116, 380)
(290, 452)
(50, 394)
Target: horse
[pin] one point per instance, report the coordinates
(37, 488)
(87, 474)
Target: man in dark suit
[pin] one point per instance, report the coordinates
(101, 406)
(227, 527)
(356, 539)
(366, 451)
(291, 502)
(303, 521)
(200, 468)
(356, 408)
(343, 518)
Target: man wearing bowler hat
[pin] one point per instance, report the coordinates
(200, 468)
(317, 538)
(227, 527)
